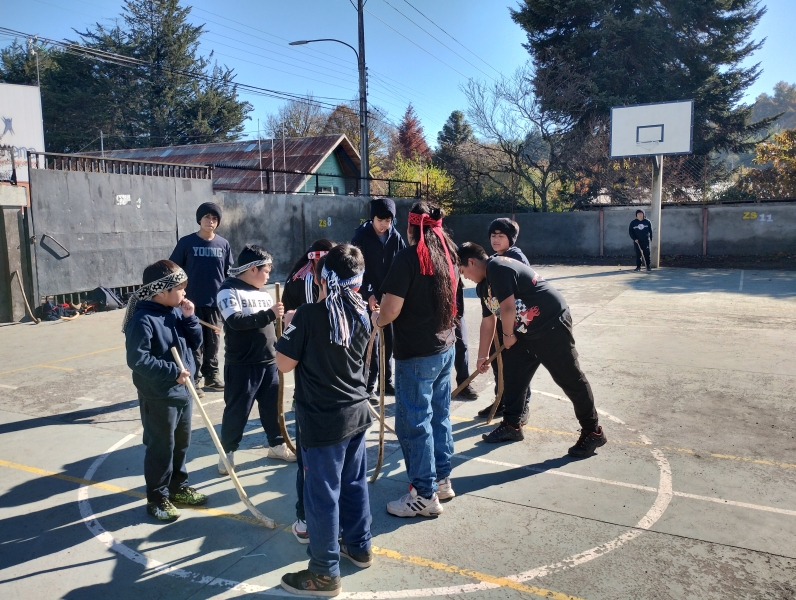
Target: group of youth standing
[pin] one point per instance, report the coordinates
(334, 297)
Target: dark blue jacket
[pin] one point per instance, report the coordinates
(378, 256)
(517, 254)
(151, 333)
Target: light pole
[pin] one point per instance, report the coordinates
(364, 171)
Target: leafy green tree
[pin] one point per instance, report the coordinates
(777, 178)
(781, 105)
(436, 184)
(344, 118)
(637, 51)
(455, 131)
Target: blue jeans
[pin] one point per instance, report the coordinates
(335, 496)
(422, 418)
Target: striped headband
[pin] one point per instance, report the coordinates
(309, 267)
(150, 290)
(342, 301)
(234, 272)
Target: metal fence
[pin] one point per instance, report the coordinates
(117, 166)
(278, 181)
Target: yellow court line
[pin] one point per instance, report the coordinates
(214, 512)
(758, 461)
(501, 581)
(60, 360)
(56, 368)
(415, 560)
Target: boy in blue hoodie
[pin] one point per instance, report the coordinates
(158, 318)
(379, 241)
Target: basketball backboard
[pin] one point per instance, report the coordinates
(652, 129)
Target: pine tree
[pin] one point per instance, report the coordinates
(455, 131)
(635, 51)
(411, 141)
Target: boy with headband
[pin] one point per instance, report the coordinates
(158, 318)
(249, 313)
(326, 343)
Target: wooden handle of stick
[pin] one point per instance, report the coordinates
(270, 523)
(280, 394)
(25, 298)
(499, 394)
(210, 326)
(370, 350)
(382, 381)
(476, 373)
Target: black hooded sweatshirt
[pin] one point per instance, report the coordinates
(641, 231)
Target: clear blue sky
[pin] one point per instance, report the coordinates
(406, 63)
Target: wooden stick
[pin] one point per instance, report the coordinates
(382, 380)
(280, 394)
(211, 326)
(377, 417)
(499, 394)
(25, 298)
(270, 523)
(370, 351)
(475, 373)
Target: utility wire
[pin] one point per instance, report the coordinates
(435, 57)
(437, 39)
(451, 37)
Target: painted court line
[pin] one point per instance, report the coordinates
(49, 364)
(8, 387)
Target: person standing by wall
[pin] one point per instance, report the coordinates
(379, 241)
(419, 297)
(641, 233)
(205, 256)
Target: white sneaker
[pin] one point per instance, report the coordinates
(411, 505)
(300, 531)
(282, 452)
(445, 489)
(221, 468)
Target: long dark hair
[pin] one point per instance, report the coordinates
(321, 244)
(443, 299)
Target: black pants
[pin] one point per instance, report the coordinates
(373, 375)
(555, 350)
(243, 385)
(645, 247)
(206, 356)
(461, 362)
(299, 478)
(492, 349)
(167, 435)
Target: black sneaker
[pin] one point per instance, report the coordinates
(637, 269)
(484, 413)
(588, 442)
(361, 559)
(649, 268)
(468, 393)
(306, 583)
(504, 433)
(163, 510)
(373, 398)
(526, 413)
(200, 393)
(389, 389)
(214, 382)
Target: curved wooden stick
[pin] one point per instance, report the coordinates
(475, 373)
(370, 351)
(376, 416)
(270, 523)
(280, 393)
(382, 368)
(499, 395)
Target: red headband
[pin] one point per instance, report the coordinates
(317, 254)
(426, 266)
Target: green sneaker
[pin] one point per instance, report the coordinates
(306, 583)
(163, 510)
(188, 495)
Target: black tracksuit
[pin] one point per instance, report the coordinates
(165, 405)
(378, 260)
(641, 231)
(249, 361)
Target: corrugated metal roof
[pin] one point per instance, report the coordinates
(299, 154)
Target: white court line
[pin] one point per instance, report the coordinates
(740, 286)
(608, 416)
(644, 488)
(212, 402)
(8, 387)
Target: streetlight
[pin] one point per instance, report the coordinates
(364, 172)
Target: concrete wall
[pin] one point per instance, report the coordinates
(745, 229)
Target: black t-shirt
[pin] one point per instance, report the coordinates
(330, 391)
(300, 291)
(537, 302)
(206, 263)
(413, 329)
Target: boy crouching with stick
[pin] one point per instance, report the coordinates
(326, 343)
(153, 324)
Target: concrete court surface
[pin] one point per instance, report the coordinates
(693, 497)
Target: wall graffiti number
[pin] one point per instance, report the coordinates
(754, 216)
(322, 222)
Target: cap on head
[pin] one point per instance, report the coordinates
(383, 208)
(507, 227)
(208, 208)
